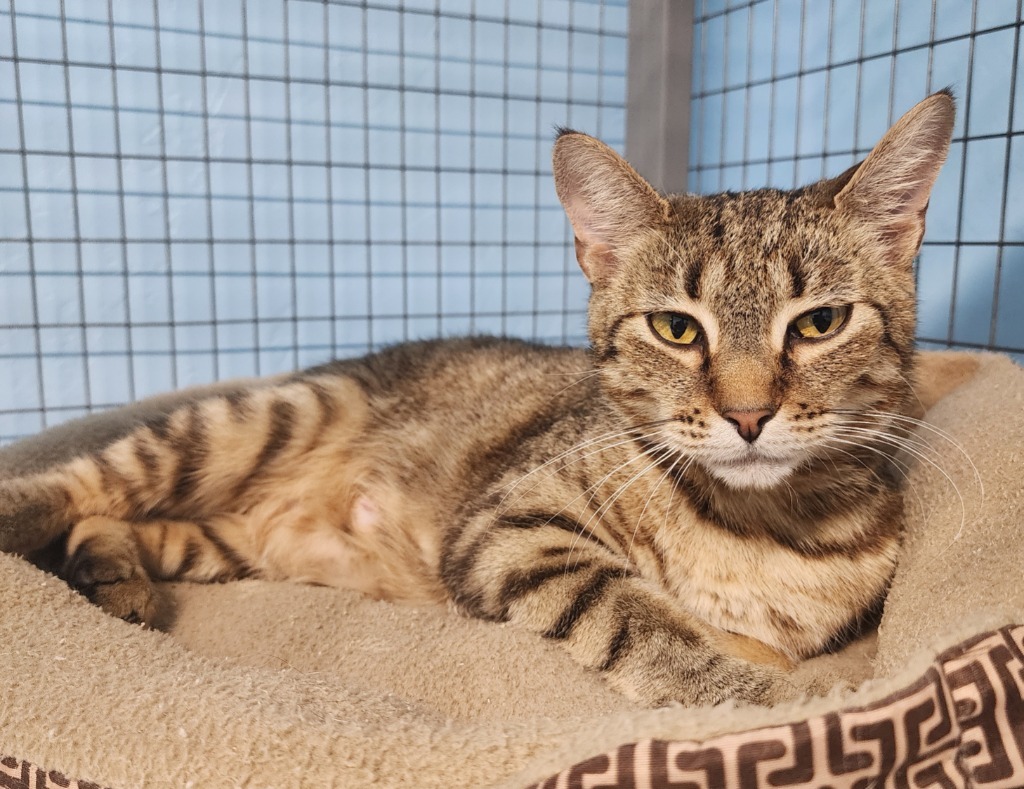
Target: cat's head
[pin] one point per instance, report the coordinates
(755, 331)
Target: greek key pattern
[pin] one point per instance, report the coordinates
(960, 725)
(17, 774)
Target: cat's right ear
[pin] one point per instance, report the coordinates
(606, 200)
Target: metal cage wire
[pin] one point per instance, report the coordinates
(788, 91)
(198, 190)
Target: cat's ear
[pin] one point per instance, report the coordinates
(889, 191)
(606, 200)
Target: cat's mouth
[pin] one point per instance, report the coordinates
(751, 471)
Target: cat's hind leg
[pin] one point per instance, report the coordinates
(213, 455)
(34, 511)
(113, 562)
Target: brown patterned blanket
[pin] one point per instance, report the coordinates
(961, 724)
(259, 684)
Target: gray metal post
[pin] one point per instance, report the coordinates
(658, 90)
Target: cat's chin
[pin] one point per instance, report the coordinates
(753, 474)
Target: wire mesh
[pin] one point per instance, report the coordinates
(197, 190)
(788, 91)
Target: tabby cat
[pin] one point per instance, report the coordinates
(702, 497)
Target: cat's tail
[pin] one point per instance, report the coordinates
(207, 456)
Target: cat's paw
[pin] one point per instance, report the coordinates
(789, 686)
(134, 600)
(761, 684)
(721, 680)
(816, 684)
(105, 567)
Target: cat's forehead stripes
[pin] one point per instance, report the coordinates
(796, 276)
(743, 257)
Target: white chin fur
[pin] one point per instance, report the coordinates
(757, 474)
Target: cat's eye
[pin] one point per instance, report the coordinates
(677, 328)
(818, 323)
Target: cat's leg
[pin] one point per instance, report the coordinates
(378, 547)
(206, 457)
(104, 564)
(551, 575)
(113, 562)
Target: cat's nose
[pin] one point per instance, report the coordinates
(749, 424)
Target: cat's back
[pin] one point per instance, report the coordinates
(460, 385)
(483, 383)
(475, 360)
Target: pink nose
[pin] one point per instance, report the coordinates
(749, 423)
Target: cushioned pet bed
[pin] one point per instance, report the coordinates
(272, 685)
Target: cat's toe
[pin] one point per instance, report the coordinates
(764, 685)
(133, 600)
(788, 686)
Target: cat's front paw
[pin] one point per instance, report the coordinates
(718, 679)
(801, 685)
(759, 684)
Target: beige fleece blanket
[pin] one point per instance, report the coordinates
(272, 685)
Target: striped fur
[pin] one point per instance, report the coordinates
(600, 498)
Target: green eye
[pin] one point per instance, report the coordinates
(818, 323)
(675, 327)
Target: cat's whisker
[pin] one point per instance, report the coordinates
(565, 389)
(580, 459)
(832, 460)
(920, 423)
(792, 494)
(672, 250)
(912, 450)
(932, 429)
(606, 506)
(911, 440)
(881, 420)
(905, 439)
(668, 508)
(900, 465)
(686, 467)
(610, 436)
(911, 445)
(877, 435)
(575, 373)
(909, 420)
(665, 456)
(912, 389)
(596, 487)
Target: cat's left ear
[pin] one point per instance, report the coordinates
(606, 200)
(890, 189)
